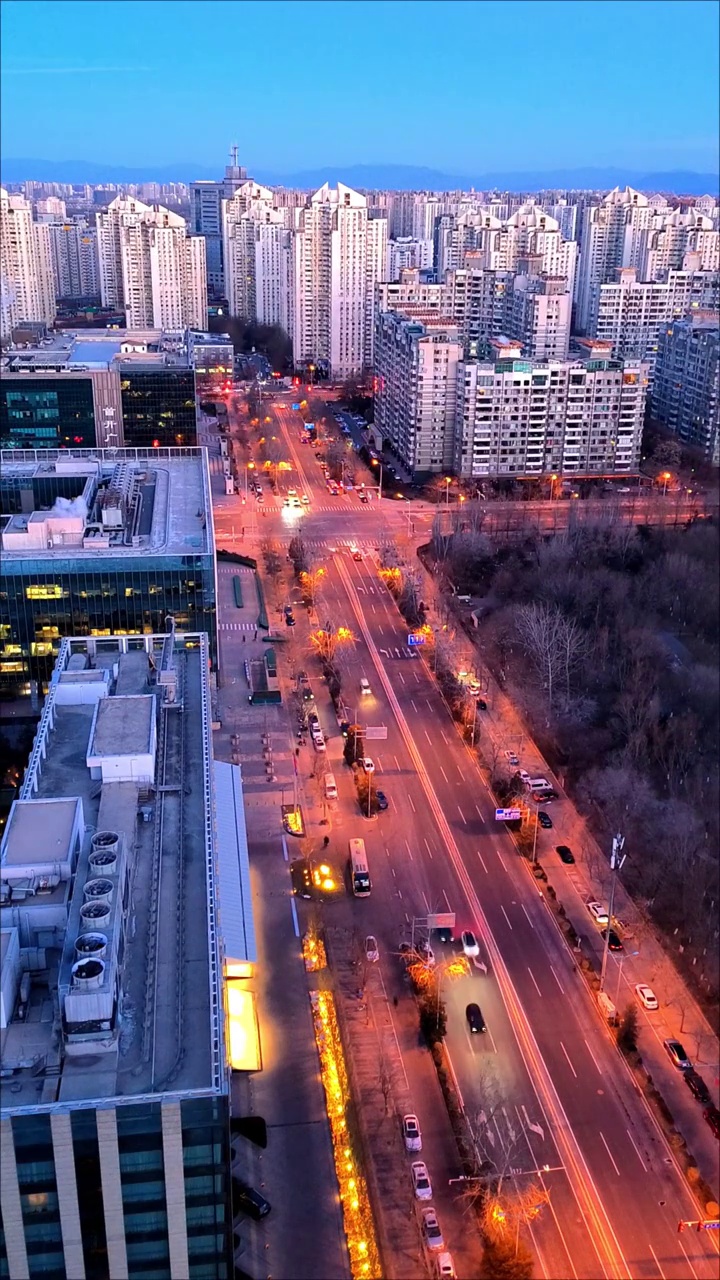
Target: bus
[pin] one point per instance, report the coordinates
(237, 592)
(359, 868)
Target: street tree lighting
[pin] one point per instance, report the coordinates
(326, 641)
(310, 580)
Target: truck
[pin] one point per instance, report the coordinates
(608, 1010)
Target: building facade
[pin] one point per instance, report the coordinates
(76, 271)
(631, 314)
(150, 267)
(117, 1047)
(27, 290)
(416, 369)
(686, 387)
(212, 357)
(101, 543)
(206, 201)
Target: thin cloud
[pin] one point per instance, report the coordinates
(68, 71)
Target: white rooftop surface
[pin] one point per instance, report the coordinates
(123, 726)
(181, 490)
(236, 918)
(39, 833)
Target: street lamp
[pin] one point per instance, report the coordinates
(377, 463)
(665, 477)
(448, 482)
(553, 478)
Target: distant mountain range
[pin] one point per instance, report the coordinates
(396, 177)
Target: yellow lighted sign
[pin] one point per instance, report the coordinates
(48, 591)
(242, 1027)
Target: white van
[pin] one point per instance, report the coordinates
(331, 792)
(538, 784)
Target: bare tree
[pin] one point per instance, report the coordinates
(540, 631)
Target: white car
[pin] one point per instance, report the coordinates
(646, 996)
(431, 1230)
(368, 764)
(292, 493)
(305, 500)
(470, 943)
(426, 952)
(371, 949)
(364, 686)
(598, 912)
(511, 758)
(411, 1133)
(319, 742)
(421, 1180)
(445, 1266)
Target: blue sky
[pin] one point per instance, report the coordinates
(461, 87)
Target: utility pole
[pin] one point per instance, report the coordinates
(616, 863)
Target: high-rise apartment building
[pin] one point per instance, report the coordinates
(539, 311)
(339, 255)
(74, 249)
(416, 365)
(515, 417)
(27, 290)
(671, 237)
(256, 256)
(408, 254)
(686, 386)
(476, 299)
(206, 198)
(124, 916)
(613, 235)
(630, 314)
(150, 267)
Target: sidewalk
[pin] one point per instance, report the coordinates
(644, 959)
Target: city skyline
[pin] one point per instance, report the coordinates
(336, 121)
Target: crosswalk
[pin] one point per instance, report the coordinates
(341, 544)
(238, 626)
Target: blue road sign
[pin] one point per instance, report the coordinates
(295, 406)
(414, 639)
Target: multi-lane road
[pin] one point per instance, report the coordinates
(551, 1098)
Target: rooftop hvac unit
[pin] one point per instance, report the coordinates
(103, 863)
(91, 945)
(88, 974)
(94, 915)
(106, 840)
(99, 890)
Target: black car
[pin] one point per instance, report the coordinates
(481, 704)
(712, 1116)
(475, 1020)
(445, 935)
(614, 943)
(697, 1086)
(250, 1200)
(545, 820)
(382, 801)
(289, 620)
(565, 854)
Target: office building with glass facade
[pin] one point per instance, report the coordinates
(99, 542)
(123, 920)
(99, 388)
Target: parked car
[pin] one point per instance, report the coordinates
(474, 1017)
(431, 1230)
(382, 801)
(421, 1180)
(598, 912)
(469, 943)
(250, 1200)
(372, 952)
(425, 951)
(545, 797)
(697, 1087)
(545, 820)
(677, 1055)
(565, 854)
(646, 996)
(614, 943)
(411, 1133)
(367, 764)
(511, 758)
(445, 1266)
(712, 1117)
(481, 705)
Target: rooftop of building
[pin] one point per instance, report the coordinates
(112, 881)
(86, 350)
(128, 501)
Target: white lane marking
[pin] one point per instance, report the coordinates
(380, 630)
(637, 1153)
(592, 1055)
(412, 806)
(378, 764)
(557, 980)
(401, 676)
(397, 766)
(428, 704)
(444, 774)
(393, 871)
(477, 806)
(682, 1246)
(427, 904)
(492, 1041)
(417, 677)
(462, 775)
(445, 737)
(657, 1264)
(532, 975)
(483, 862)
(602, 1135)
(447, 901)
(407, 846)
(412, 704)
(285, 848)
(427, 846)
(293, 911)
(506, 916)
(562, 1046)
(462, 815)
(427, 735)
(532, 926)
